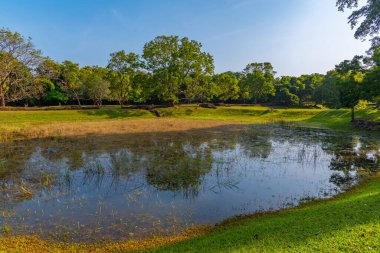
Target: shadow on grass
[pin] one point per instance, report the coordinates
(341, 118)
(335, 119)
(219, 111)
(117, 113)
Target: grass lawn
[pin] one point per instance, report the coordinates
(330, 118)
(19, 119)
(337, 119)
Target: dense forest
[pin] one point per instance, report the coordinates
(175, 70)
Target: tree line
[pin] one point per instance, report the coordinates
(174, 70)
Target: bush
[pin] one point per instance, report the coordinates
(362, 105)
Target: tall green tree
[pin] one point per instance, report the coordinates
(201, 88)
(227, 86)
(70, 81)
(371, 84)
(351, 76)
(123, 70)
(96, 85)
(327, 93)
(175, 64)
(283, 94)
(48, 74)
(259, 80)
(18, 58)
(365, 18)
(307, 85)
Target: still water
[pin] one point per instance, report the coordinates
(130, 186)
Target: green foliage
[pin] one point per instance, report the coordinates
(18, 58)
(173, 70)
(54, 95)
(366, 18)
(309, 83)
(202, 88)
(259, 80)
(284, 97)
(69, 80)
(350, 78)
(362, 105)
(96, 85)
(327, 93)
(371, 84)
(227, 86)
(176, 65)
(122, 71)
(284, 86)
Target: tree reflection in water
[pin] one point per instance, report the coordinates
(127, 185)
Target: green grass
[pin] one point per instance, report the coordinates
(340, 119)
(19, 119)
(241, 113)
(337, 119)
(348, 223)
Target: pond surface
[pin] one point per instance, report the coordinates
(136, 185)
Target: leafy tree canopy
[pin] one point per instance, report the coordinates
(365, 18)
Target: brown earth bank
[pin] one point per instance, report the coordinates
(111, 127)
(32, 244)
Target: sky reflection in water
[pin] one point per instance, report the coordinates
(143, 184)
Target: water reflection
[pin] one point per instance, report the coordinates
(142, 184)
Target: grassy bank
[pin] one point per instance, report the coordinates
(18, 121)
(348, 223)
(330, 118)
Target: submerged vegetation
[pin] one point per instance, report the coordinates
(184, 158)
(347, 223)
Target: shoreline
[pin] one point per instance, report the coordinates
(24, 243)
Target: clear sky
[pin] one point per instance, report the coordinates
(297, 36)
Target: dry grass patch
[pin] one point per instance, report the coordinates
(35, 245)
(109, 127)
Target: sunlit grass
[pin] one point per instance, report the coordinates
(34, 124)
(329, 118)
(16, 118)
(237, 113)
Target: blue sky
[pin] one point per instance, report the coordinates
(297, 36)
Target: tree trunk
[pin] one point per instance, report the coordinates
(2, 97)
(352, 114)
(2, 101)
(78, 100)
